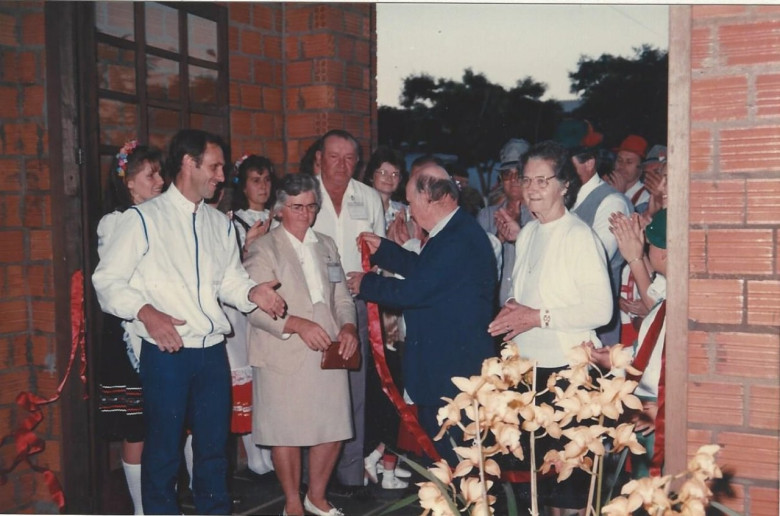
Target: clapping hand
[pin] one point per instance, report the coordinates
(507, 225)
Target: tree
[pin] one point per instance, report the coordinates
(622, 96)
(472, 118)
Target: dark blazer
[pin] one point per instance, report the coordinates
(447, 302)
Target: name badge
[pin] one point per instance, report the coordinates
(334, 272)
(357, 211)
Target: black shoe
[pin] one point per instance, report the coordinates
(361, 493)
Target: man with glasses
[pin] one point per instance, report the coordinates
(512, 206)
(596, 201)
(349, 208)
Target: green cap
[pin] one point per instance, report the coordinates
(656, 230)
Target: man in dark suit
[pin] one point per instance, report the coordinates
(446, 294)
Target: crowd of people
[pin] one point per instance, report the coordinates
(224, 285)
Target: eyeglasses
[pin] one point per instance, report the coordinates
(391, 173)
(511, 177)
(539, 181)
(298, 208)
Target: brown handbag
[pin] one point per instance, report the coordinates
(332, 360)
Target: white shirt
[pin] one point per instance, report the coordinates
(361, 210)
(180, 257)
(307, 259)
(644, 197)
(436, 229)
(560, 268)
(648, 383)
(611, 203)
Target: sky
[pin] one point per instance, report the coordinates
(507, 42)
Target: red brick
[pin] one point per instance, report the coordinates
(346, 48)
(42, 349)
(234, 95)
(740, 251)
(239, 68)
(275, 151)
(251, 42)
(697, 256)
(9, 107)
(250, 96)
(328, 16)
(23, 138)
(702, 48)
(750, 43)
(272, 47)
(233, 38)
(715, 403)
(292, 48)
(15, 281)
(13, 316)
(719, 98)
(749, 149)
(264, 125)
(264, 73)
(362, 52)
(298, 18)
(345, 100)
(272, 99)
(717, 202)
(698, 358)
(40, 244)
(19, 348)
(698, 437)
(763, 501)
(354, 77)
(49, 457)
(37, 174)
(239, 12)
(10, 175)
(763, 201)
(747, 355)
(241, 123)
(318, 45)
(40, 280)
(8, 30)
(13, 382)
(263, 16)
(10, 211)
(717, 11)
(716, 301)
(301, 125)
(43, 316)
(764, 407)
(355, 24)
(34, 101)
(318, 97)
(12, 249)
(362, 101)
(299, 73)
(328, 70)
(768, 95)
(753, 456)
(763, 304)
(33, 26)
(20, 67)
(37, 211)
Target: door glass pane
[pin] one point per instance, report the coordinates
(115, 18)
(118, 122)
(162, 27)
(116, 68)
(203, 85)
(202, 38)
(163, 124)
(162, 78)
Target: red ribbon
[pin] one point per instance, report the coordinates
(406, 412)
(26, 441)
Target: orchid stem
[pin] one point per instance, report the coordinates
(478, 442)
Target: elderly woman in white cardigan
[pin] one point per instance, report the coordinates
(561, 281)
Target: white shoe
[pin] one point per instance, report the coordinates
(389, 481)
(398, 471)
(371, 468)
(319, 512)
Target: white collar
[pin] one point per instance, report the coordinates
(443, 222)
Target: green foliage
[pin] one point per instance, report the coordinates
(622, 95)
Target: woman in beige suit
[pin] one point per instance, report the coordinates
(296, 403)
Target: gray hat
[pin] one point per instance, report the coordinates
(656, 154)
(511, 153)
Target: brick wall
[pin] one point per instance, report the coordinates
(296, 71)
(734, 289)
(27, 354)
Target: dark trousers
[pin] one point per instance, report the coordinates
(426, 414)
(189, 388)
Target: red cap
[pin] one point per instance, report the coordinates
(635, 144)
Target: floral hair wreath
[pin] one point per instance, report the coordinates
(121, 158)
(237, 165)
